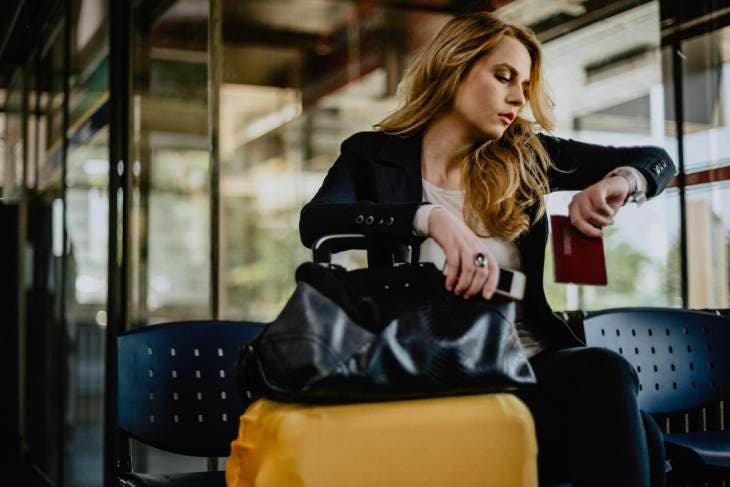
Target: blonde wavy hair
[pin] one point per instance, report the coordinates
(503, 177)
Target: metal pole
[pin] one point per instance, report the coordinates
(116, 447)
(215, 42)
(215, 46)
(62, 369)
(677, 72)
(22, 323)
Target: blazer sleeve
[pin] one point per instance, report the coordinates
(345, 201)
(588, 163)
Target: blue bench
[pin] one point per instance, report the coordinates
(683, 364)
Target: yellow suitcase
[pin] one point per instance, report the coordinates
(464, 441)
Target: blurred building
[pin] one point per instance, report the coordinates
(707, 255)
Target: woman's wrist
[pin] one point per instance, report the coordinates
(436, 212)
(624, 181)
(636, 181)
(422, 219)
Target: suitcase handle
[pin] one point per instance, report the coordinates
(326, 246)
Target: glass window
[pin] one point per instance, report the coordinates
(708, 224)
(706, 79)
(46, 366)
(609, 89)
(87, 226)
(170, 200)
(51, 123)
(3, 118)
(13, 144)
(641, 271)
(706, 64)
(170, 195)
(33, 98)
(281, 129)
(315, 74)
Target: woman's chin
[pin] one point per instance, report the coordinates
(492, 133)
(485, 132)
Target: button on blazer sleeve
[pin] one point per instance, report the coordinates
(588, 163)
(347, 200)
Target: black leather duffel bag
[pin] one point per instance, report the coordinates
(383, 333)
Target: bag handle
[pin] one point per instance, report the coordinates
(323, 249)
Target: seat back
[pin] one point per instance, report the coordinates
(680, 355)
(177, 385)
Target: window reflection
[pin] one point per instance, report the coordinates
(179, 225)
(299, 78)
(705, 80)
(609, 90)
(13, 141)
(170, 200)
(3, 118)
(87, 226)
(708, 224)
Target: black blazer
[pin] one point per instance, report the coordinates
(375, 188)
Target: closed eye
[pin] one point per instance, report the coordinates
(502, 79)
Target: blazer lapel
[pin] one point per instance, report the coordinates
(398, 169)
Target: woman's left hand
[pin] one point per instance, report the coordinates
(594, 207)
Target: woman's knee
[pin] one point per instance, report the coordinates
(604, 367)
(657, 453)
(654, 436)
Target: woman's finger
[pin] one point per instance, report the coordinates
(599, 220)
(452, 269)
(596, 216)
(600, 205)
(466, 274)
(579, 221)
(590, 217)
(587, 229)
(477, 282)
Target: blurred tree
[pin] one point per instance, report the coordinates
(626, 267)
(671, 275)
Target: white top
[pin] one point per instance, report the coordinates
(506, 253)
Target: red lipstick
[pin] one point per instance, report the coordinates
(507, 117)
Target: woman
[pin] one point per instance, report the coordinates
(460, 140)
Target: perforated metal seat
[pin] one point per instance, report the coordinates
(197, 479)
(682, 362)
(177, 392)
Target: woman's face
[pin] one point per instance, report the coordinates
(493, 91)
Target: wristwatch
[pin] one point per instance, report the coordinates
(637, 183)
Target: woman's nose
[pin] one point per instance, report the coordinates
(516, 97)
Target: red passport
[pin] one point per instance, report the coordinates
(577, 258)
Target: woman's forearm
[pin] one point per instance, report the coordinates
(367, 218)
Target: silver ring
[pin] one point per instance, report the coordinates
(480, 260)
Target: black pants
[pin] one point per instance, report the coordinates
(590, 430)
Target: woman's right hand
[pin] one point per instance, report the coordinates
(461, 246)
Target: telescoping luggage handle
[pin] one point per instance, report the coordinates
(326, 246)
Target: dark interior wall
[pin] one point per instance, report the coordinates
(29, 430)
(45, 366)
(20, 23)
(9, 384)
